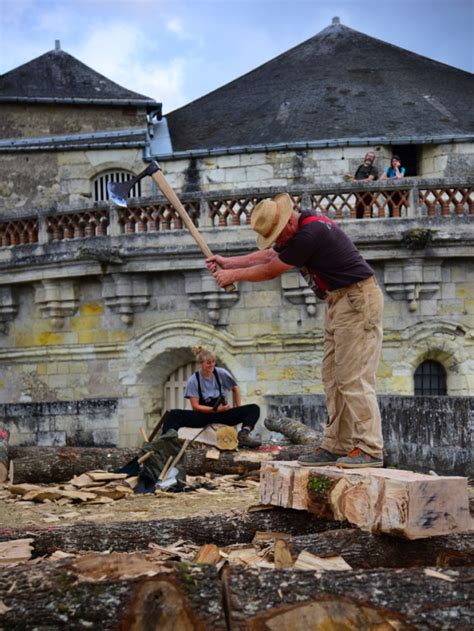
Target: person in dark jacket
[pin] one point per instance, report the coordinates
(365, 172)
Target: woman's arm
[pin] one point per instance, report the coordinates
(236, 396)
(206, 409)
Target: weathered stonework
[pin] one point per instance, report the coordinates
(270, 335)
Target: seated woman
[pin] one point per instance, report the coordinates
(207, 391)
(394, 171)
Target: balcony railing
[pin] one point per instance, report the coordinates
(410, 198)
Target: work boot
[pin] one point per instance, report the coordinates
(245, 440)
(358, 458)
(318, 458)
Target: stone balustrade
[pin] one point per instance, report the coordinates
(407, 198)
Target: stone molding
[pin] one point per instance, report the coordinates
(412, 280)
(296, 290)
(57, 300)
(203, 291)
(8, 308)
(126, 294)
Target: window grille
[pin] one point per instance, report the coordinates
(101, 193)
(430, 379)
(175, 386)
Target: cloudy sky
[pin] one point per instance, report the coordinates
(178, 50)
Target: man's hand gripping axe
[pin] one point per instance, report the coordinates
(118, 193)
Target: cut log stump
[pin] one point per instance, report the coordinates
(402, 503)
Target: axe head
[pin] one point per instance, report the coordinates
(118, 192)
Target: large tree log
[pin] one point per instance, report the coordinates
(59, 464)
(51, 465)
(403, 503)
(297, 432)
(370, 599)
(120, 591)
(115, 591)
(364, 550)
(221, 530)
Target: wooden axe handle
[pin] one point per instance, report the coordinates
(171, 196)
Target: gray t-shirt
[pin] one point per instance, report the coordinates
(209, 387)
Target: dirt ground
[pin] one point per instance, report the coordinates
(20, 514)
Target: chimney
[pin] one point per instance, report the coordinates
(336, 20)
(57, 44)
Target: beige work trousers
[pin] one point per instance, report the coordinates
(353, 341)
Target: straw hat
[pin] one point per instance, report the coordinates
(269, 217)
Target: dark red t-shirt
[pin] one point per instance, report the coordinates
(327, 251)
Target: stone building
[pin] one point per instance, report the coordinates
(100, 306)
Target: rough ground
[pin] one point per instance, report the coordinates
(19, 514)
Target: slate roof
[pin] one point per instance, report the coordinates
(59, 77)
(340, 84)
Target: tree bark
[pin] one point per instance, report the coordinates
(404, 599)
(364, 550)
(51, 465)
(297, 432)
(115, 591)
(221, 530)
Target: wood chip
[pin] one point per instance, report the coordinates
(208, 554)
(82, 480)
(282, 556)
(99, 476)
(269, 535)
(435, 574)
(308, 561)
(259, 507)
(213, 454)
(15, 551)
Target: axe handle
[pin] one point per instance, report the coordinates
(171, 196)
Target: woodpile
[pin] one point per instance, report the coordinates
(402, 503)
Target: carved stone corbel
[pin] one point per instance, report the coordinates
(57, 300)
(296, 290)
(203, 291)
(8, 308)
(126, 294)
(412, 281)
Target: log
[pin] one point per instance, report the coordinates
(4, 436)
(385, 599)
(402, 503)
(365, 550)
(129, 591)
(116, 591)
(221, 436)
(297, 432)
(52, 465)
(221, 530)
(59, 464)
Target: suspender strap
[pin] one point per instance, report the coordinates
(323, 286)
(199, 385)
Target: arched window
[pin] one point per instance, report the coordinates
(99, 184)
(430, 379)
(175, 385)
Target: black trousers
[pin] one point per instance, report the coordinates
(246, 414)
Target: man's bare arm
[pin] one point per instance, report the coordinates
(235, 262)
(266, 271)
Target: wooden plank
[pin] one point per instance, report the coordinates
(404, 503)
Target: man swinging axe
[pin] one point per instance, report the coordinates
(336, 271)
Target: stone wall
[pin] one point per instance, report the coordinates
(420, 433)
(86, 423)
(36, 121)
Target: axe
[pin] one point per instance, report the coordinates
(118, 193)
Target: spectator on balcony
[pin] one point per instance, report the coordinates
(366, 172)
(334, 269)
(394, 171)
(207, 391)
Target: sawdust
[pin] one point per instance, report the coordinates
(224, 498)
